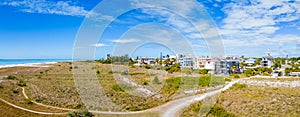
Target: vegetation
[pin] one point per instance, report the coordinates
(235, 75)
(80, 113)
(256, 71)
(123, 60)
(9, 111)
(219, 111)
(228, 80)
(243, 100)
(213, 81)
(238, 86)
(156, 80)
(173, 68)
(216, 111)
(21, 83)
(117, 88)
(280, 73)
(188, 71)
(10, 77)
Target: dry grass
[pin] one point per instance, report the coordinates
(243, 100)
(262, 101)
(55, 86)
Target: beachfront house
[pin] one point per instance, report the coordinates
(267, 61)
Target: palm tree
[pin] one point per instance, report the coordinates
(157, 61)
(167, 61)
(174, 61)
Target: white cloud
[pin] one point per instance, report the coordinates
(255, 25)
(99, 45)
(47, 7)
(126, 40)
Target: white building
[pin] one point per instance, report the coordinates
(267, 61)
(187, 61)
(205, 63)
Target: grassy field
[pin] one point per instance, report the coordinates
(243, 100)
(55, 86)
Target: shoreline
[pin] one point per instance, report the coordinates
(42, 64)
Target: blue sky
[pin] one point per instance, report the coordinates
(48, 28)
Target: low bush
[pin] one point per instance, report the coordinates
(37, 99)
(219, 111)
(117, 88)
(28, 101)
(21, 83)
(237, 86)
(228, 80)
(148, 66)
(15, 91)
(213, 81)
(132, 108)
(10, 77)
(80, 113)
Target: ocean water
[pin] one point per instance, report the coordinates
(28, 62)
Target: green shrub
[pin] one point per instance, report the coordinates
(15, 91)
(237, 86)
(236, 76)
(10, 77)
(98, 72)
(77, 106)
(80, 113)
(37, 99)
(148, 66)
(204, 81)
(145, 83)
(28, 101)
(1, 87)
(228, 80)
(171, 86)
(21, 83)
(117, 88)
(219, 111)
(280, 73)
(203, 71)
(132, 108)
(213, 81)
(265, 74)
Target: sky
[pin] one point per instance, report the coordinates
(52, 28)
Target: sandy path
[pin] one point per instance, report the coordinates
(32, 111)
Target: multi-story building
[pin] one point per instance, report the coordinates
(267, 61)
(187, 61)
(220, 66)
(205, 63)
